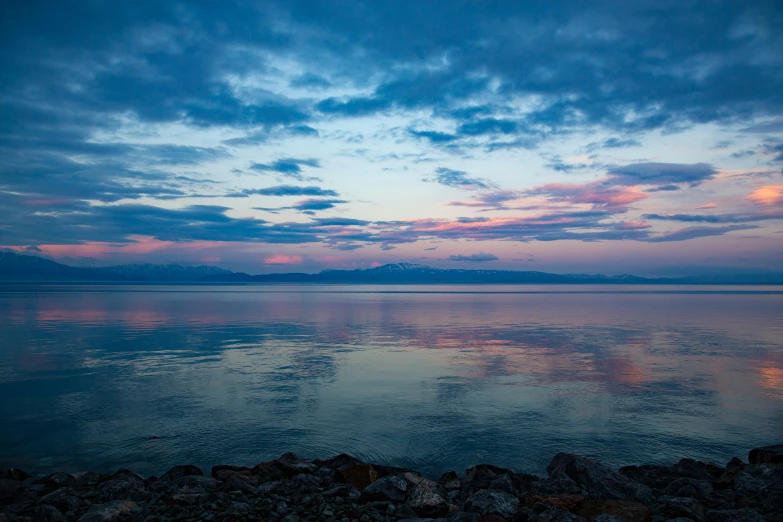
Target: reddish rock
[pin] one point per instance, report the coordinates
(359, 475)
(633, 511)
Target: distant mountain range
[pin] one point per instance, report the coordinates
(17, 267)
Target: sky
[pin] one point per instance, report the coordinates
(601, 137)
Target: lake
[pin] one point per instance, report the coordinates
(429, 377)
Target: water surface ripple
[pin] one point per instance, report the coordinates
(434, 378)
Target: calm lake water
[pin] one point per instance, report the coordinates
(430, 377)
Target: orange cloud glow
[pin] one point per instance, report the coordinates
(767, 195)
(282, 259)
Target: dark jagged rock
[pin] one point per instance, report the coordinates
(734, 515)
(492, 502)
(766, 455)
(450, 481)
(292, 489)
(682, 507)
(597, 480)
(13, 474)
(359, 475)
(392, 488)
(428, 499)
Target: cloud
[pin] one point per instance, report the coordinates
(716, 218)
(595, 193)
(768, 195)
(459, 179)
(661, 174)
(288, 167)
(286, 190)
(687, 234)
(474, 258)
(282, 259)
(314, 204)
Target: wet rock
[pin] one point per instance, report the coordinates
(428, 499)
(609, 518)
(492, 502)
(450, 481)
(64, 499)
(564, 502)
(462, 516)
(359, 475)
(57, 480)
(9, 487)
(503, 483)
(481, 476)
(339, 461)
(674, 507)
(271, 488)
(306, 483)
(687, 487)
(597, 480)
(386, 471)
(734, 515)
(235, 483)
(109, 511)
(659, 477)
(122, 487)
(184, 470)
(48, 513)
(413, 478)
(89, 478)
(14, 474)
(558, 515)
(560, 484)
(224, 472)
(392, 489)
(342, 490)
(766, 455)
(297, 464)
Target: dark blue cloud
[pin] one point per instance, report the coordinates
(661, 174)
(687, 234)
(717, 218)
(459, 179)
(285, 190)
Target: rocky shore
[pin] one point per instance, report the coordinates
(345, 489)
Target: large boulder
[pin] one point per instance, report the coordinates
(766, 455)
(492, 502)
(598, 481)
(659, 477)
(64, 499)
(393, 488)
(358, 475)
(224, 472)
(428, 499)
(682, 507)
(481, 476)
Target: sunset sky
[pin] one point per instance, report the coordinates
(612, 137)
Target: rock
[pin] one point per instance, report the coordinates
(48, 513)
(659, 477)
(766, 455)
(306, 483)
(64, 499)
(560, 484)
(412, 478)
(450, 481)
(271, 488)
(480, 477)
(392, 489)
(597, 480)
(342, 490)
(184, 470)
(224, 472)
(297, 464)
(57, 480)
(235, 483)
(385, 471)
(122, 487)
(503, 483)
(462, 516)
(558, 515)
(337, 462)
(90, 478)
(359, 475)
(734, 515)
(492, 502)
(9, 487)
(687, 487)
(675, 507)
(428, 499)
(109, 511)
(14, 474)
(609, 518)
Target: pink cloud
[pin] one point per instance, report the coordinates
(282, 259)
(767, 195)
(707, 206)
(596, 193)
